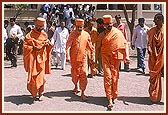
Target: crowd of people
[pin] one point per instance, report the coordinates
(56, 13)
(67, 33)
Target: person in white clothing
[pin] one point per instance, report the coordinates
(4, 35)
(5, 38)
(140, 40)
(68, 14)
(14, 33)
(59, 40)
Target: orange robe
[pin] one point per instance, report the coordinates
(36, 63)
(113, 50)
(155, 63)
(77, 47)
(93, 34)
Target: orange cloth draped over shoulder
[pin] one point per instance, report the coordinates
(155, 63)
(93, 34)
(113, 50)
(36, 62)
(77, 46)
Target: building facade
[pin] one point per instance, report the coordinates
(143, 10)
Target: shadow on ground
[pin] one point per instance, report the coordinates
(71, 97)
(138, 71)
(67, 75)
(19, 99)
(137, 100)
(102, 101)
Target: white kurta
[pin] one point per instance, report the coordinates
(59, 40)
(140, 37)
(14, 30)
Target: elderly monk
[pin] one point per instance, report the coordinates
(156, 57)
(93, 34)
(37, 50)
(114, 48)
(78, 44)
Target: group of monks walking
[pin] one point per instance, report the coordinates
(108, 46)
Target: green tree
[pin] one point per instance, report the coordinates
(20, 9)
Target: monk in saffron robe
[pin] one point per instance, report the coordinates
(93, 34)
(77, 46)
(114, 48)
(37, 50)
(156, 58)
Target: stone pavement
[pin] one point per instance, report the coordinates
(58, 98)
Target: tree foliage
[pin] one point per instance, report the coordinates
(20, 9)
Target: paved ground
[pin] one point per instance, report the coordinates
(133, 92)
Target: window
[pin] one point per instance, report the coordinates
(128, 6)
(120, 6)
(8, 6)
(146, 6)
(101, 6)
(157, 6)
(33, 6)
(113, 6)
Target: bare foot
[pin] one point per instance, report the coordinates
(110, 105)
(75, 91)
(33, 99)
(84, 97)
(41, 97)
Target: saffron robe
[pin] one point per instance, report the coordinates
(155, 62)
(77, 47)
(93, 34)
(114, 48)
(36, 62)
